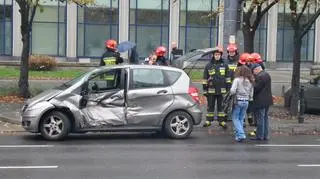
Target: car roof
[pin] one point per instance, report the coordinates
(205, 50)
(140, 66)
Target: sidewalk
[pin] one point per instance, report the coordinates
(279, 125)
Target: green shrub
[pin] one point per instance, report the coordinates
(42, 63)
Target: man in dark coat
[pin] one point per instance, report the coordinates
(262, 100)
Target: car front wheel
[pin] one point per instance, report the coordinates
(55, 126)
(178, 125)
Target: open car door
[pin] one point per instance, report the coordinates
(191, 59)
(103, 99)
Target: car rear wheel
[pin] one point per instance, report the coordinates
(178, 125)
(55, 126)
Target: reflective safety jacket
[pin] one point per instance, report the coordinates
(110, 58)
(216, 77)
(232, 64)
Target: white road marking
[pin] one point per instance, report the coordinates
(286, 145)
(309, 165)
(26, 146)
(28, 167)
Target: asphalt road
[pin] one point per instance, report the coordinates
(144, 156)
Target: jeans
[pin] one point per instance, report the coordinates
(261, 116)
(238, 115)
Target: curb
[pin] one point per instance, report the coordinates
(8, 120)
(278, 129)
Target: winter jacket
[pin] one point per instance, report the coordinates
(110, 58)
(216, 77)
(262, 96)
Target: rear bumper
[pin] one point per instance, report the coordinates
(196, 114)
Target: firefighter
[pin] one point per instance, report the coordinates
(232, 61)
(161, 59)
(247, 59)
(232, 51)
(110, 56)
(215, 86)
(257, 59)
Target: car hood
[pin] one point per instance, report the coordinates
(46, 95)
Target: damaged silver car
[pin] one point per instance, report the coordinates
(119, 98)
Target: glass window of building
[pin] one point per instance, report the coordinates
(285, 35)
(149, 24)
(6, 27)
(260, 38)
(96, 24)
(49, 29)
(197, 30)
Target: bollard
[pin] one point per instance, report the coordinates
(302, 105)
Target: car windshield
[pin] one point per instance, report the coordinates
(72, 82)
(190, 55)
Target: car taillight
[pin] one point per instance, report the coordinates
(194, 93)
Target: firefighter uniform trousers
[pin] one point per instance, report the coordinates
(215, 87)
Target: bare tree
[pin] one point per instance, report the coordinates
(28, 9)
(301, 28)
(252, 14)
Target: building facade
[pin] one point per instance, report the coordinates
(71, 32)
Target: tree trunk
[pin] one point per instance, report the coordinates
(24, 63)
(24, 67)
(295, 83)
(248, 38)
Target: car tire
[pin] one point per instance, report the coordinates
(178, 125)
(55, 126)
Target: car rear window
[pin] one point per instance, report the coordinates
(172, 76)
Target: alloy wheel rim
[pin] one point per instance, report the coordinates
(179, 125)
(53, 126)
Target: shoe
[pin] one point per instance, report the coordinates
(206, 124)
(223, 125)
(240, 139)
(252, 133)
(256, 138)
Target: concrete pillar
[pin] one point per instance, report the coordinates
(317, 42)
(71, 31)
(124, 6)
(174, 22)
(16, 34)
(272, 34)
(230, 16)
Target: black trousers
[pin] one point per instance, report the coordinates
(212, 99)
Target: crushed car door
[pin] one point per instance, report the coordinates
(148, 96)
(104, 103)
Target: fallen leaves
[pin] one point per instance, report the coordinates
(11, 99)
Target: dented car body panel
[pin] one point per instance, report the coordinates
(116, 97)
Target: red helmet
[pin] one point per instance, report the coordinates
(244, 58)
(232, 48)
(257, 57)
(112, 44)
(161, 51)
(251, 59)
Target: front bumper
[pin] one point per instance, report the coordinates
(30, 116)
(30, 123)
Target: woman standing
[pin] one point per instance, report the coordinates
(242, 89)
